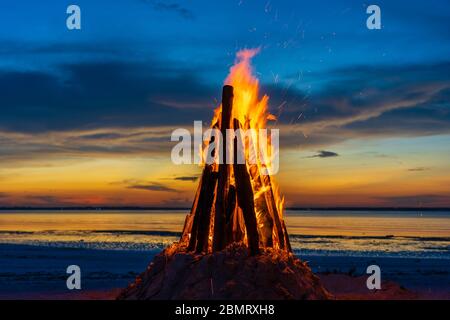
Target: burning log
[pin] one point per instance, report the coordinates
(195, 214)
(230, 215)
(205, 217)
(271, 205)
(224, 173)
(200, 225)
(245, 198)
(286, 238)
(188, 222)
(265, 224)
(234, 202)
(237, 226)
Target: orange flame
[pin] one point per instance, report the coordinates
(252, 112)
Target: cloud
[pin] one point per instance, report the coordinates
(173, 7)
(117, 108)
(19, 148)
(144, 185)
(177, 202)
(416, 169)
(416, 200)
(187, 178)
(324, 154)
(365, 102)
(103, 50)
(152, 187)
(44, 199)
(100, 95)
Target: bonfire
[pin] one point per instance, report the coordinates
(238, 202)
(234, 243)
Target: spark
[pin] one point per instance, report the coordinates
(282, 105)
(275, 77)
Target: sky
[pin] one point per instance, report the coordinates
(86, 115)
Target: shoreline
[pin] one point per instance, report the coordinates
(138, 208)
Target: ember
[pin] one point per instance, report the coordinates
(238, 202)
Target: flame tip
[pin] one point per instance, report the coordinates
(247, 54)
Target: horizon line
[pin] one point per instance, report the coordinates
(136, 208)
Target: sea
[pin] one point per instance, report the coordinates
(113, 246)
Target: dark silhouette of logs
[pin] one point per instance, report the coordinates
(230, 214)
(188, 222)
(195, 211)
(207, 200)
(245, 199)
(224, 211)
(271, 205)
(265, 223)
(201, 209)
(224, 173)
(200, 225)
(286, 238)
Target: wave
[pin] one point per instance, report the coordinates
(164, 233)
(141, 232)
(386, 237)
(156, 247)
(144, 240)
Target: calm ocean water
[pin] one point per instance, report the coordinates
(347, 233)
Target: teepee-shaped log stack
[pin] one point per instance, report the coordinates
(225, 209)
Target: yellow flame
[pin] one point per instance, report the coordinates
(248, 108)
(252, 112)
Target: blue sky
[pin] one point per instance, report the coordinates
(306, 46)
(295, 35)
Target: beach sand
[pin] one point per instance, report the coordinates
(37, 272)
(341, 286)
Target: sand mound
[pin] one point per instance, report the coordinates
(229, 274)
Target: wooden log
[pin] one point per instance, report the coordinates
(229, 214)
(271, 204)
(188, 222)
(207, 205)
(184, 240)
(238, 225)
(245, 199)
(207, 200)
(264, 214)
(224, 172)
(207, 179)
(231, 203)
(198, 206)
(195, 211)
(286, 238)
